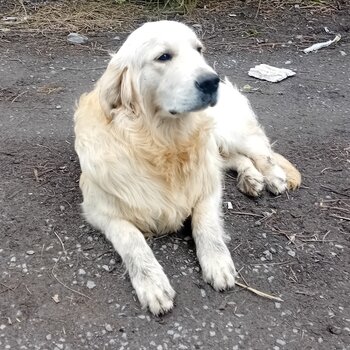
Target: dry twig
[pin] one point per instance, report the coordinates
(257, 292)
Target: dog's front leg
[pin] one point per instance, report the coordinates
(147, 276)
(208, 233)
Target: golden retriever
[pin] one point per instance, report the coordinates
(153, 139)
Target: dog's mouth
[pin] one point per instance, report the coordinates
(205, 101)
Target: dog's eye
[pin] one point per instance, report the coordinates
(165, 57)
(200, 49)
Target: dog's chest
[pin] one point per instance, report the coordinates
(177, 178)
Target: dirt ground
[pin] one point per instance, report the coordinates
(63, 287)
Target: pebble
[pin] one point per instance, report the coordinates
(334, 329)
(30, 252)
(108, 328)
(75, 38)
(280, 342)
(90, 284)
(291, 253)
(268, 254)
(81, 272)
(13, 259)
(203, 293)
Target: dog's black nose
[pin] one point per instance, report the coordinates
(208, 83)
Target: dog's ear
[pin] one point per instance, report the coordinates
(117, 91)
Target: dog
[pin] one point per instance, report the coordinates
(153, 139)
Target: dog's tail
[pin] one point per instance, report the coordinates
(293, 175)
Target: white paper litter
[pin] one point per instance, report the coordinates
(269, 73)
(318, 46)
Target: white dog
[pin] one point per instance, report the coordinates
(153, 138)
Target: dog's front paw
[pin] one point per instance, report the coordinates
(251, 182)
(154, 291)
(276, 180)
(218, 270)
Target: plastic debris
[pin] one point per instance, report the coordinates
(75, 38)
(316, 47)
(229, 205)
(269, 73)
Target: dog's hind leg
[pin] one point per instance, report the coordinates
(238, 134)
(146, 274)
(249, 180)
(279, 174)
(293, 175)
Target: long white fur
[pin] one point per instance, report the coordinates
(146, 169)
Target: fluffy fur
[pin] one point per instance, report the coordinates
(152, 151)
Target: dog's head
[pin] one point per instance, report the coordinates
(159, 69)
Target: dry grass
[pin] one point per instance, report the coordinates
(75, 16)
(114, 15)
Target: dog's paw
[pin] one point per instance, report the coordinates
(154, 291)
(293, 180)
(219, 271)
(276, 180)
(251, 182)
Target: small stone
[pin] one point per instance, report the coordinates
(58, 107)
(212, 333)
(49, 337)
(203, 293)
(291, 253)
(108, 327)
(277, 305)
(75, 38)
(288, 62)
(334, 329)
(13, 259)
(62, 207)
(81, 272)
(280, 342)
(30, 252)
(105, 267)
(343, 53)
(90, 284)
